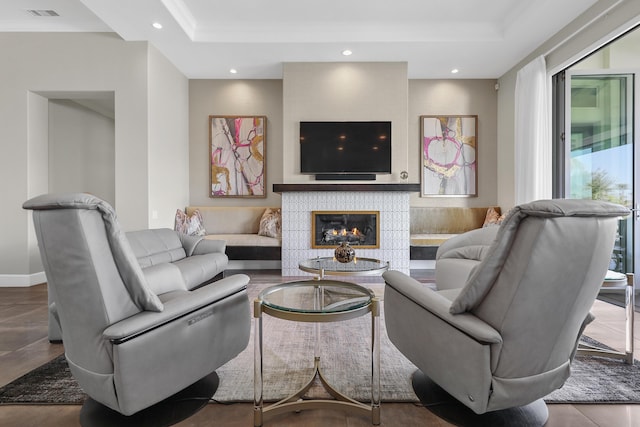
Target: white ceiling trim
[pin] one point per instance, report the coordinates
(329, 32)
(206, 38)
(183, 16)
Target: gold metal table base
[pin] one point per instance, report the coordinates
(295, 402)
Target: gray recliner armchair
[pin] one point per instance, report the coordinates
(507, 338)
(168, 259)
(127, 345)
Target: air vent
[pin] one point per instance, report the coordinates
(42, 12)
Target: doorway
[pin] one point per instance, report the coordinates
(595, 120)
(81, 143)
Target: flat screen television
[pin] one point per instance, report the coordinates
(345, 148)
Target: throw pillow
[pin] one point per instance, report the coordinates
(492, 218)
(271, 223)
(503, 216)
(192, 225)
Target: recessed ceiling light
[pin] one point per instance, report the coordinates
(454, 71)
(346, 52)
(157, 25)
(233, 71)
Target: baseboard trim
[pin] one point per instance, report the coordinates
(22, 280)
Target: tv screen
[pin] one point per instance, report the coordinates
(345, 147)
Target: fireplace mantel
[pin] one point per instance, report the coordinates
(283, 188)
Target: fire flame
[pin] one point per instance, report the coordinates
(344, 232)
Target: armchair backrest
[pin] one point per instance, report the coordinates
(91, 271)
(539, 280)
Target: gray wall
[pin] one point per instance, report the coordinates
(233, 97)
(325, 92)
(344, 91)
(457, 97)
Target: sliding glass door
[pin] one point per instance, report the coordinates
(598, 152)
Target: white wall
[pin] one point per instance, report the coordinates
(38, 177)
(344, 91)
(168, 143)
(81, 150)
(49, 62)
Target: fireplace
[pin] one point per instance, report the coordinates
(358, 228)
(300, 200)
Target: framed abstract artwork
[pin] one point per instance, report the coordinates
(448, 156)
(237, 148)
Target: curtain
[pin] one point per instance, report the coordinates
(533, 147)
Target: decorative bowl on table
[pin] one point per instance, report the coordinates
(344, 253)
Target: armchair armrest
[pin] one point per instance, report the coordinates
(206, 246)
(198, 245)
(174, 308)
(473, 252)
(478, 237)
(438, 305)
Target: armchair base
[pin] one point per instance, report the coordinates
(170, 411)
(445, 406)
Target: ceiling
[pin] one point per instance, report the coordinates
(205, 39)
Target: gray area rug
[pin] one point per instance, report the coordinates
(345, 360)
(346, 363)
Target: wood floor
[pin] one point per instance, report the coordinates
(24, 346)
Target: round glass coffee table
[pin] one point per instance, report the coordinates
(325, 266)
(317, 301)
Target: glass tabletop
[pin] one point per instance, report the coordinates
(316, 296)
(357, 267)
(614, 282)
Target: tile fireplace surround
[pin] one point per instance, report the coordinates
(296, 224)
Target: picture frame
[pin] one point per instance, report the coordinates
(237, 156)
(448, 155)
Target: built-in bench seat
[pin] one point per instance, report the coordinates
(239, 227)
(431, 226)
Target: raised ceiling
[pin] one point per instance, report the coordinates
(205, 38)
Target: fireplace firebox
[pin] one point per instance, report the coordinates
(358, 228)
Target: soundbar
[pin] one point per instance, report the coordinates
(346, 177)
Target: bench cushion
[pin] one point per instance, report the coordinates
(446, 220)
(245, 239)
